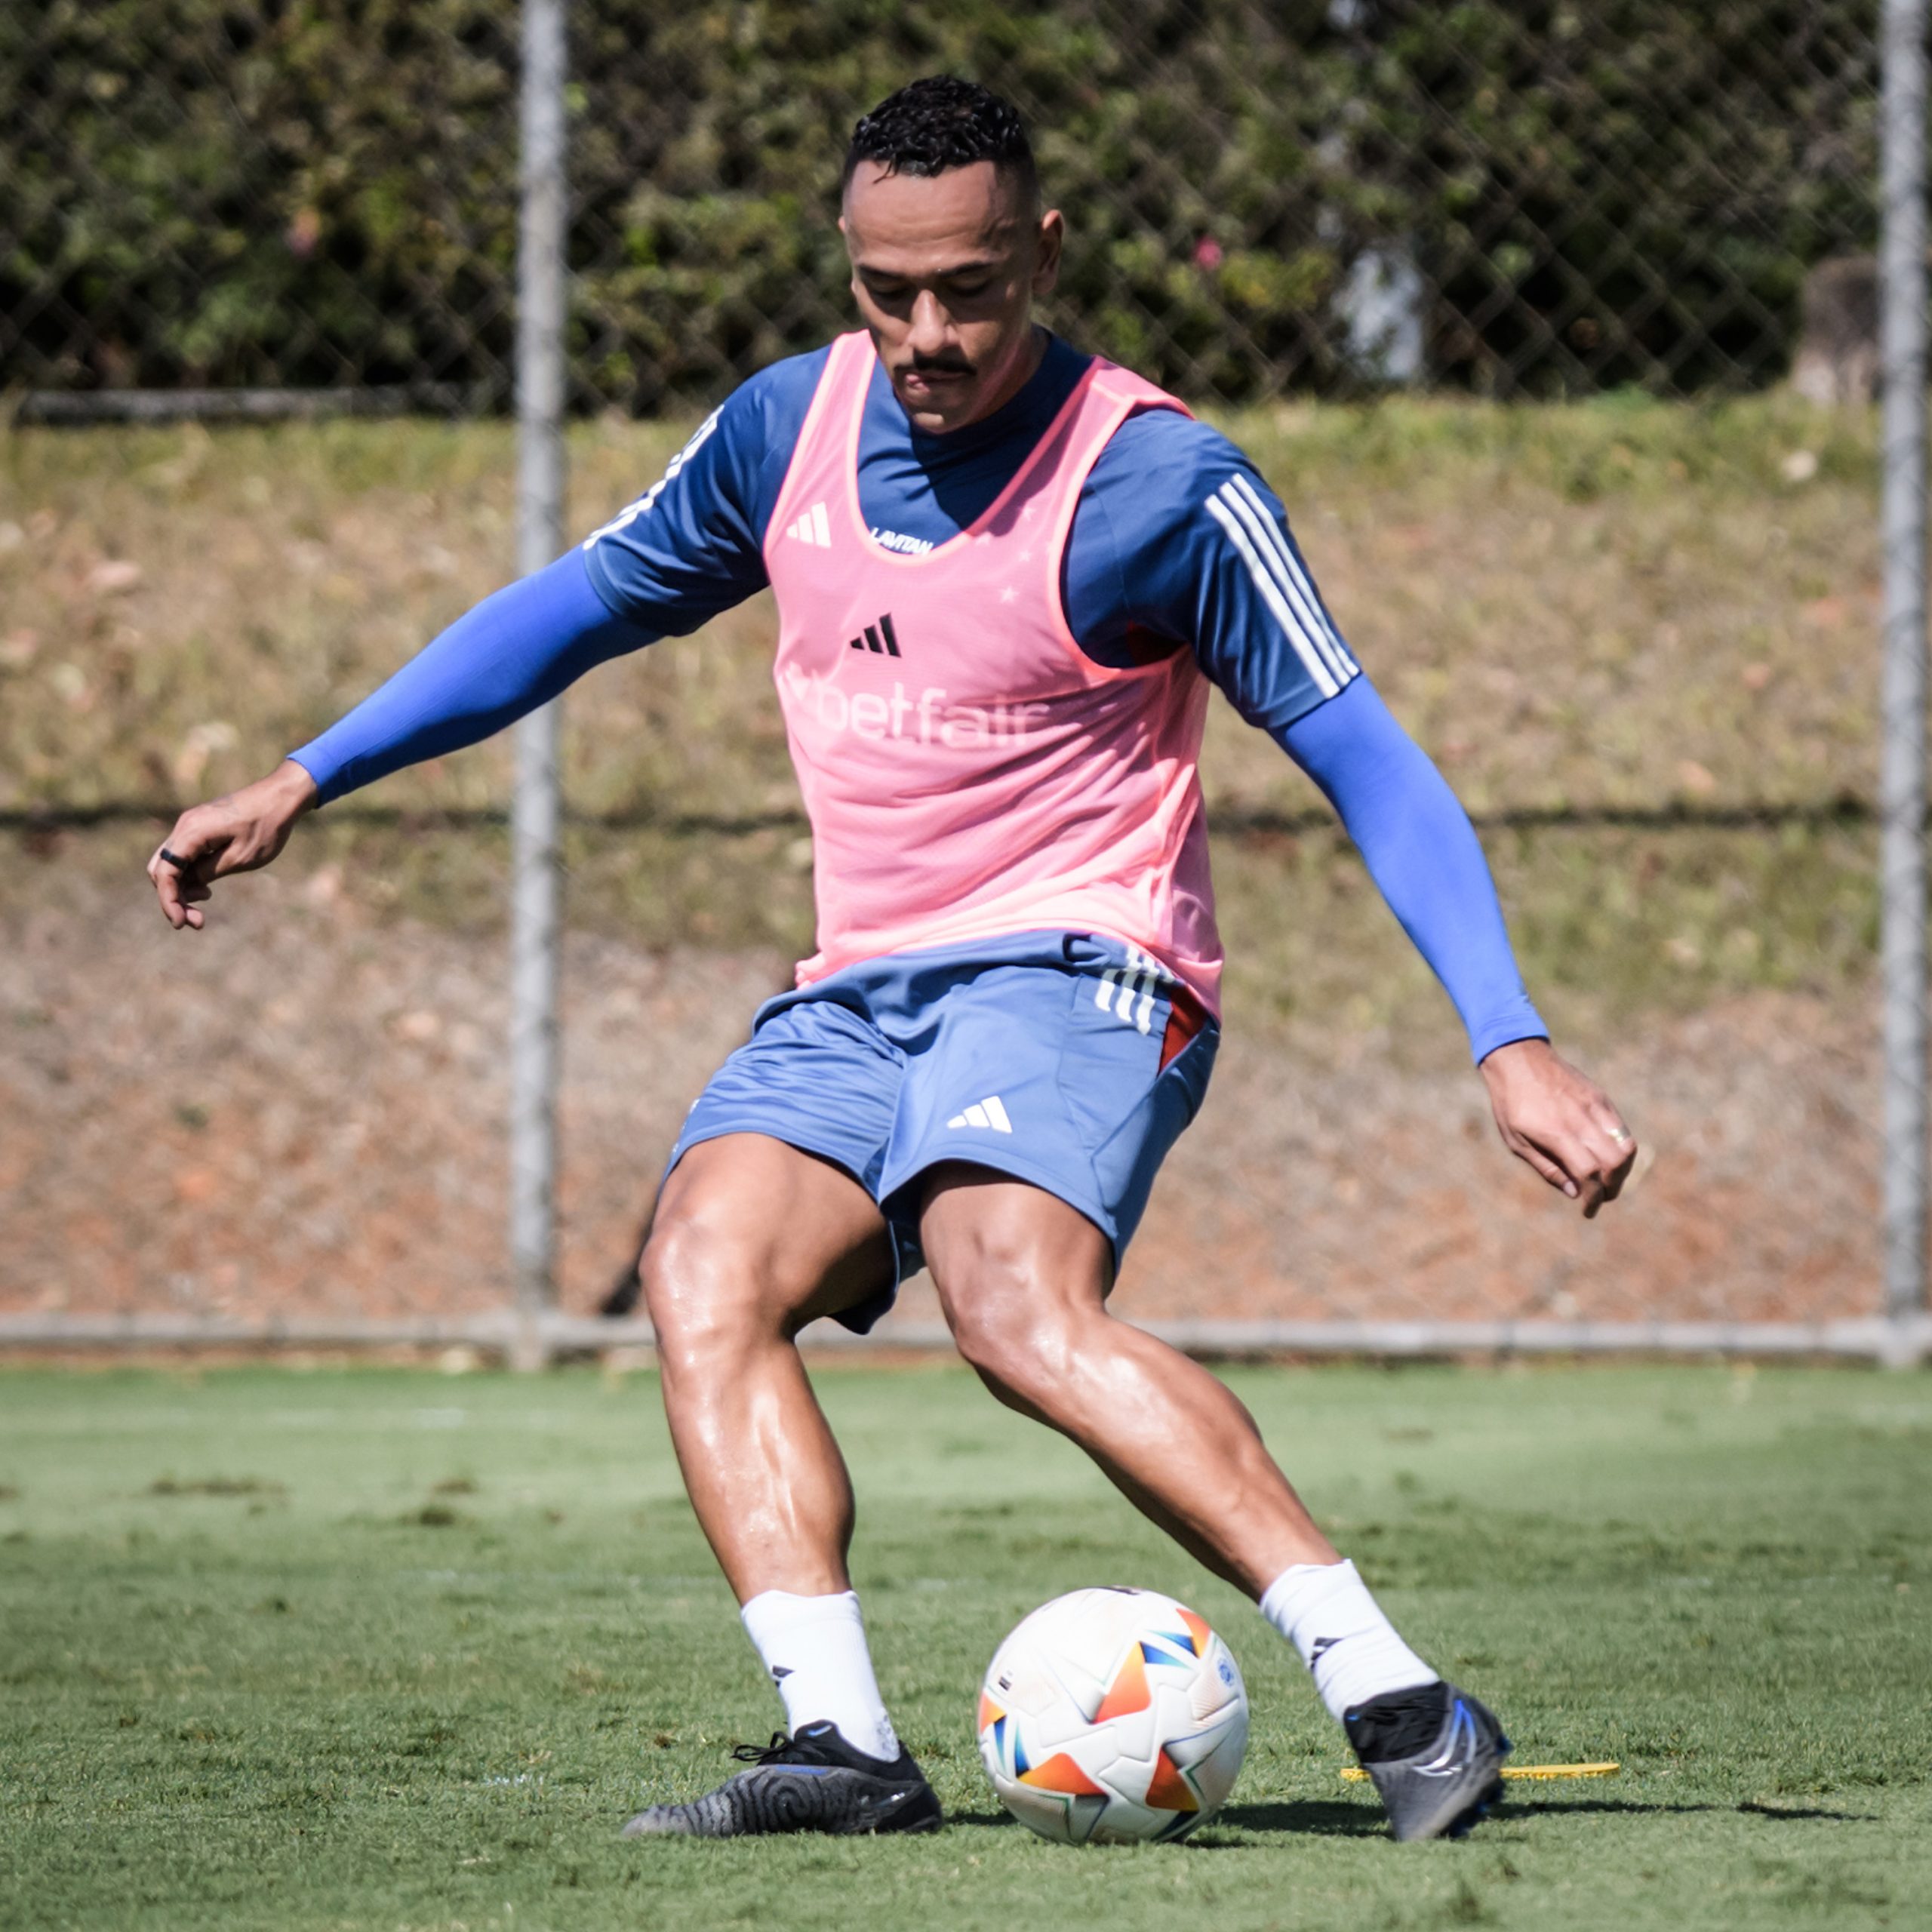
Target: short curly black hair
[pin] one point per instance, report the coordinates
(942, 122)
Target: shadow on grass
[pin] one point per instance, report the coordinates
(1316, 1816)
(1564, 1807)
(1335, 1818)
(1801, 1811)
(1319, 1817)
(1331, 1818)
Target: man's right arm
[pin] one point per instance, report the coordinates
(692, 545)
(513, 652)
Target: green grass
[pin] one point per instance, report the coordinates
(391, 1649)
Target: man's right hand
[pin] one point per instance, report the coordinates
(236, 834)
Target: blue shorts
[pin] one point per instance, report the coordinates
(1068, 1060)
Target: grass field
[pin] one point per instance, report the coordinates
(385, 1649)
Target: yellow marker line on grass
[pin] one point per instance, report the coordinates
(1356, 1775)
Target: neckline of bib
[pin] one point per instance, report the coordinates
(855, 428)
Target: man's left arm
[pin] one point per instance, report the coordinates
(1178, 537)
(1423, 854)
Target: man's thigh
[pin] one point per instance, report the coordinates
(816, 1088)
(987, 1236)
(786, 1233)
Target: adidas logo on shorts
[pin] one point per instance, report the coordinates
(988, 1112)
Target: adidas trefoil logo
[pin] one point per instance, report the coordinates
(879, 637)
(988, 1112)
(814, 527)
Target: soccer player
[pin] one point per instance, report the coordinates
(1007, 574)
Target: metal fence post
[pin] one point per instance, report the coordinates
(1902, 849)
(535, 882)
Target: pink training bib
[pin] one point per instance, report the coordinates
(968, 771)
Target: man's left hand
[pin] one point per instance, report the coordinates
(1559, 1122)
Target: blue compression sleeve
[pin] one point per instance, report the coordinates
(513, 652)
(1422, 852)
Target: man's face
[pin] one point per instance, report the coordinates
(944, 268)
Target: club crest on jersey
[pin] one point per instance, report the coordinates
(878, 637)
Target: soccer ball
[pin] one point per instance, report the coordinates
(1112, 1715)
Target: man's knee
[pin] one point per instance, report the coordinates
(709, 1291)
(1022, 1278)
(1013, 1330)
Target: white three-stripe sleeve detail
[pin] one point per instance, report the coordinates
(1312, 660)
(1104, 994)
(1296, 579)
(1261, 526)
(629, 514)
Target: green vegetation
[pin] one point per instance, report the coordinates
(239, 192)
(386, 1649)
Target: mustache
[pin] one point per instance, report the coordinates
(941, 365)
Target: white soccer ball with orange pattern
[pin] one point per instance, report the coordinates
(1113, 1715)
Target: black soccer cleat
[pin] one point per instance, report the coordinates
(1435, 1755)
(815, 1782)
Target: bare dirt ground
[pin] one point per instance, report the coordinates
(301, 1111)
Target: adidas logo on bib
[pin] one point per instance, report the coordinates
(879, 637)
(814, 527)
(988, 1112)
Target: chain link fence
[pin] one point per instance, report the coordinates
(1637, 638)
(1512, 197)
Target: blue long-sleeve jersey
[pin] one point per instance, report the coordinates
(1176, 544)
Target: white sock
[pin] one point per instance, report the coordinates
(815, 1649)
(1325, 1610)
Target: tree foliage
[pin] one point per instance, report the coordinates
(317, 192)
